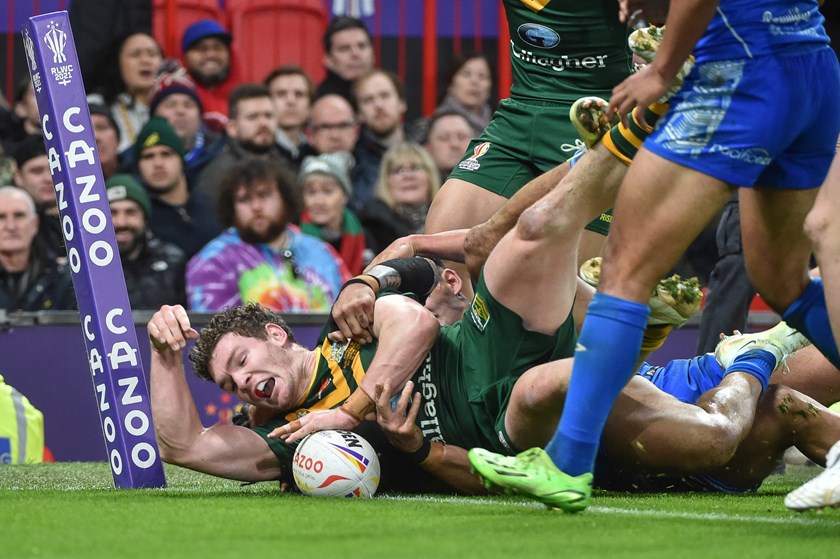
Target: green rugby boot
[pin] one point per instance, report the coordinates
(533, 474)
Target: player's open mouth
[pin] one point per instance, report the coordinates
(265, 388)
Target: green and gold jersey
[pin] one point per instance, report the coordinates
(339, 370)
(561, 50)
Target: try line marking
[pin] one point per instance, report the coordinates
(800, 520)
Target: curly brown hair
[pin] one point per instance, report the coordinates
(246, 173)
(248, 321)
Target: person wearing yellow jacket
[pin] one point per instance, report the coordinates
(21, 428)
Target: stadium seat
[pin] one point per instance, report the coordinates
(186, 12)
(271, 33)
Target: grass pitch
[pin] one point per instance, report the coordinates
(70, 510)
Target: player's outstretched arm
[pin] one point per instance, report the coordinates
(448, 463)
(226, 450)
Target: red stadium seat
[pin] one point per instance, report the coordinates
(271, 33)
(186, 13)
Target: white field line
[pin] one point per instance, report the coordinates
(794, 519)
(805, 519)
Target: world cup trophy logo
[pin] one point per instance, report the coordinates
(471, 163)
(56, 39)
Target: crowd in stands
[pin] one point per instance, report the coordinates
(224, 191)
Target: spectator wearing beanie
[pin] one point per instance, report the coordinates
(176, 99)
(210, 61)
(107, 135)
(153, 269)
(325, 184)
(181, 217)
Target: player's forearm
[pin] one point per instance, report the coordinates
(450, 464)
(448, 245)
(176, 419)
(687, 22)
(405, 333)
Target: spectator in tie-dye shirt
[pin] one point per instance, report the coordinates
(261, 257)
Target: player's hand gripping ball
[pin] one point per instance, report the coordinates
(336, 464)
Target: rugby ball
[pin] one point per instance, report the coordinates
(336, 464)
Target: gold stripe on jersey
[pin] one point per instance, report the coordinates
(347, 366)
(535, 5)
(624, 141)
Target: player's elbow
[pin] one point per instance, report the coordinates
(426, 324)
(171, 451)
(168, 454)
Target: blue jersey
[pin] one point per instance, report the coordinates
(750, 28)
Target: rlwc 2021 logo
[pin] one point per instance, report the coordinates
(56, 41)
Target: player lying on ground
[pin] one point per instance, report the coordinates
(250, 354)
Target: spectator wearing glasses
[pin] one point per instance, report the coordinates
(332, 125)
(408, 181)
(261, 257)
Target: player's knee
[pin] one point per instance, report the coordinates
(819, 226)
(532, 224)
(782, 402)
(541, 222)
(714, 444)
(543, 392)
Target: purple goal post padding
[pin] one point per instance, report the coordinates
(122, 396)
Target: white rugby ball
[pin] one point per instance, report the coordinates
(336, 464)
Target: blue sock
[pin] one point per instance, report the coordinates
(608, 348)
(809, 315)
(756, 362)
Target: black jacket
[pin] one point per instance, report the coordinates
(156, 276)
(189, 227)
(382, 225)
(45, 285)
(334, 83)
(365, 173)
